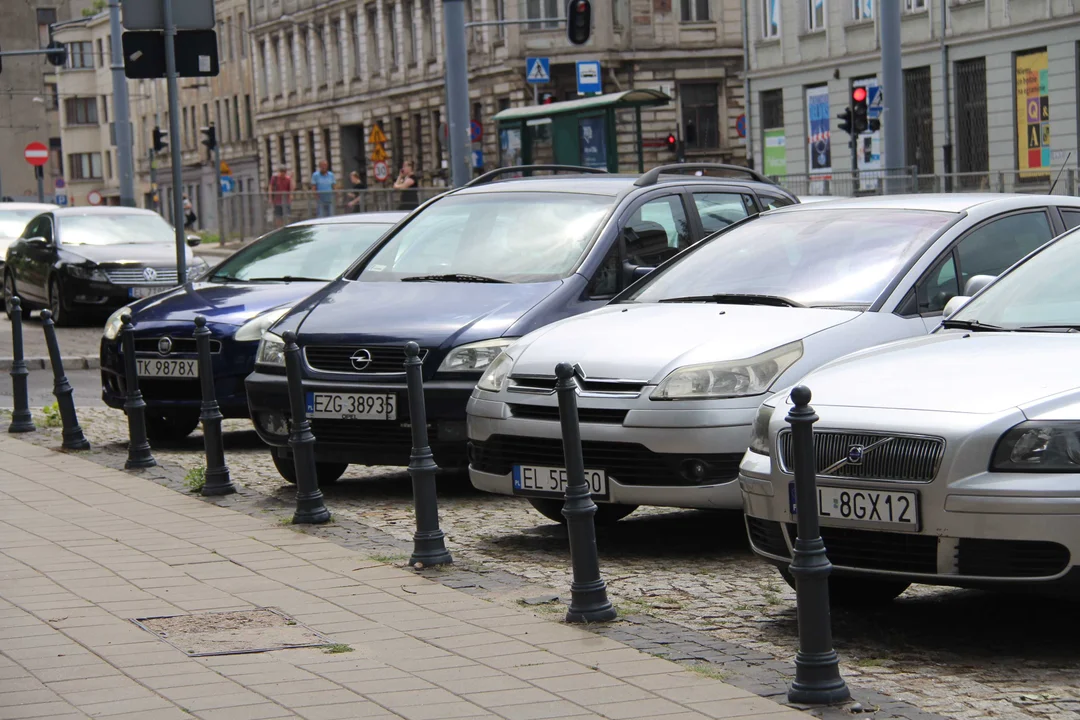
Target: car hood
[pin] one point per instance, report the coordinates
(434, 314)
(225, 303)
(952, 371)
(154, 254)
(644, 342)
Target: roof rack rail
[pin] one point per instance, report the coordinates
(494, 174)
(652, 176)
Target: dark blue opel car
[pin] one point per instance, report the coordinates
(464, 276)
(240, 298)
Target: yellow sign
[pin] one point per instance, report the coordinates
(225, 169)
(378, 153)
(1032, 112)
(377, 137)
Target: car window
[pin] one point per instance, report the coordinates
(13, 222)
(718, 210)
(938, 287)
(1071, 218)
(656, 231)
(771, 202)
(993, 246)
(40, 227)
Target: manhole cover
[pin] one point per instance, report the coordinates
(231, 633)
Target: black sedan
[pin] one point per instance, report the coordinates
(82, 261)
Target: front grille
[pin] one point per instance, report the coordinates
(168, 389)
(1011, 558)
(394, 433)
(874, 550)
(546, 384)
(585, 415)
(137, 276)
(628, 463)
(767, 536)
(914, 459)
(384, 360)
(180, 346)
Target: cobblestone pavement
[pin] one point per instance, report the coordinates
(74, 341)
(956, 653)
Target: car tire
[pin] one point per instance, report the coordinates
(171, 426)
(327, 473)
(60, 314)
(606, 513)
(857, 591)
(9, 293)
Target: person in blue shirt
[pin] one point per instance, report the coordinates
(323, 182)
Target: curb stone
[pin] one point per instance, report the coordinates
(75, 362)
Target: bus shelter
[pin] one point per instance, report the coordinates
(573, 132)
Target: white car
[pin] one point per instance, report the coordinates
(951, 459)
(677, 365)
(13, 219)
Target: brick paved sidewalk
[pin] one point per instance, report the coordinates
(84, 548)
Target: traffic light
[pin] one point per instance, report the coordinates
(209, 136)
(672, 142)
(859, 120)
(578, 21)
(547, 98)
(159, 140)
(845, 120)
(58, 54)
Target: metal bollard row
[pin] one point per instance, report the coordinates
(21, 420)
(139, 455)
(310, 508)
(65, 400)
(218, 481)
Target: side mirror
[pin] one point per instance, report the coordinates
(640, 271)
(37, 241)
(976, 283)
(954, 304)
(194, 240)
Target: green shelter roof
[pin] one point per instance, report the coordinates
(625, 99)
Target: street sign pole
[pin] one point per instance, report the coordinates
(154, 197)
(457, 90)
(174, 133)
(39, 173)
(892, 111)
(220, 195)
(121, 112)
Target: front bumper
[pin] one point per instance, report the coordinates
(667, 457)
(89, 294)
(367, 442)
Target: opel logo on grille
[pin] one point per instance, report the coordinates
(855, 454)
(360, 359)
(164, 345)
(150, 274)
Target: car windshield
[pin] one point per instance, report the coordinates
(813, 257)
(13, 222)
(304, 252)
(1041, 294)
(118, 229)
(491, 237)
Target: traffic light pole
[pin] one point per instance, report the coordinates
(177, 158)
(220, 200)
(457, 90)
(154, 197)
(121, 111)
(892, 78)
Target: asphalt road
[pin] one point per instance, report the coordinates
(86, 383)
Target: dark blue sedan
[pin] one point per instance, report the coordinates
(240, 298)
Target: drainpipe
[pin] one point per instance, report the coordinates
(746, 83)
(947, 147)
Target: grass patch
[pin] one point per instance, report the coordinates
(52, 415)
(195, 479)
(773, 599)
(285, 521)
(869, 662)
(709, 671)
(389, 559)
(337, 648)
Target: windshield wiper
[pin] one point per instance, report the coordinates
(972, 325)
(736, 299)
(227, 278)
(286, 278)
(452, 277)
(1049, 328)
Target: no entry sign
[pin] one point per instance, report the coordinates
(36, 154)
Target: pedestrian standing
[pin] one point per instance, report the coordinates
(356, 199)
(281, 187)
(409, 198)
(323, 182)
(190, 218)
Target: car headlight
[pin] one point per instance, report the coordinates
(474, 357)
(1039, 447)
(87, 272)
(254, 328)
(759, 433)
(736, 378)
(113, 324)
(271, 351)
(197, 268)
(494, 378)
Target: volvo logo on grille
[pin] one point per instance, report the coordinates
(855, 454)
(150, 274)
(360, 359)
(164, 345)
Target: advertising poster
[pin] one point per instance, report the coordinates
(818, 140)
(1032, 113)
(592, 142)
(510, 147)
(775, 152)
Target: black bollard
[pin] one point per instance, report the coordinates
(817, 668)
(429, 542)
(588, 591)
(21, 420)
(218, 481)
(65, 396)
(309, 498)
(134, 406)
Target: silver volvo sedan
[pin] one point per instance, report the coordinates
(950, 459)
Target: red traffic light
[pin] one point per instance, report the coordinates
(858, 94)
(671, 140)
(582, 6)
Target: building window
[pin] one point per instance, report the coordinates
(373, 60)
(81, 111)
(85, 166)
(972, 122)
(237, 132)
(542, 10)
(773, 137)
(101, 54)
(80, 55)
(391, 32)
(770, 19)
(918, 120)
(498, 8)
(241, 29)
(108, 165)
(437, 133)
(694, 10)
(410, 32)
(815, 15)
(914, 6)
(397, 143)
(52, 96)
(247, 117)
(864, 9)
(337, 60)
(429, 24)
(45, 18)
(354, 32)
(105, 108)
(226, 127)
(701, 116)
(417, 142)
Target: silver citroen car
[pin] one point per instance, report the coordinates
(950, 459)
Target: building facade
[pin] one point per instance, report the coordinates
(989, 88)
(327, 73)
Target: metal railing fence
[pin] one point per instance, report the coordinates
(848, 183)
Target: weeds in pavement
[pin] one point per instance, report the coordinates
(337, 648)
(285, 521)
(869, 662)
(709, 671)
(195, 479)
(52, 415)
(389, 559)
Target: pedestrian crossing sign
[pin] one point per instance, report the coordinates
(538, 70)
